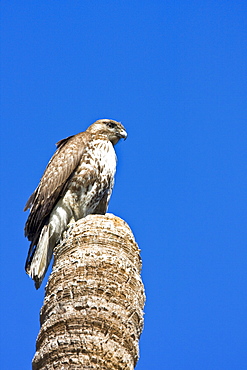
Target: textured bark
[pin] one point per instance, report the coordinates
(92, 315)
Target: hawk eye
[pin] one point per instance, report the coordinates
(110, 124)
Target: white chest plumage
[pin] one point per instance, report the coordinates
(92, 181)
(93, 177)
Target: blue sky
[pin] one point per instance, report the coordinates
(174, 73)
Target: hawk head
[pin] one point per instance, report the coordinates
(113, 130)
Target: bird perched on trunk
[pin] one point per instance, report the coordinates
(77, 181)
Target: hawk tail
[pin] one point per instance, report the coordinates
(37, 263)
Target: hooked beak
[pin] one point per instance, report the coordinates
(124, 134)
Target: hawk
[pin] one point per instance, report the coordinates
(77, 181)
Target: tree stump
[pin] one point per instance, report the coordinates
(92, 315)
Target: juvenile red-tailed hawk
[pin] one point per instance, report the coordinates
(77, 181)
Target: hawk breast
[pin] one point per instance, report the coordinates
(92, 180)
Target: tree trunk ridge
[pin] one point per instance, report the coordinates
(92, 315)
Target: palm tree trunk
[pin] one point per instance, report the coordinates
(92, 315)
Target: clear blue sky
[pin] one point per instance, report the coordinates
(174, 73)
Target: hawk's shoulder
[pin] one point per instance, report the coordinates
(59, 169)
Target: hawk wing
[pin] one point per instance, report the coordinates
(53, 183)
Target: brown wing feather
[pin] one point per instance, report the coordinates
(59, 145)
(59, 169)
(63, 141)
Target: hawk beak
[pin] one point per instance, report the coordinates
(123, 134)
